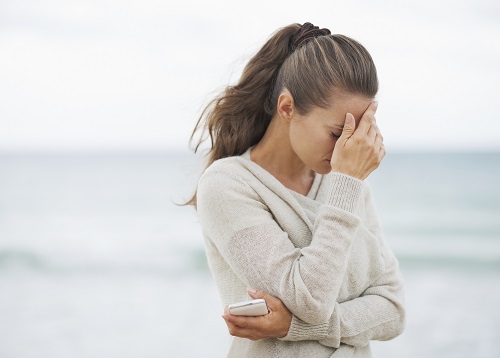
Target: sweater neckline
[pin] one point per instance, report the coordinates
(313, 191)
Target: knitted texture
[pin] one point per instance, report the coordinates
(323, 255)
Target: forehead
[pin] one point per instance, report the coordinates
(343, 102)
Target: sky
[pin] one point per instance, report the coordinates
(109, 74)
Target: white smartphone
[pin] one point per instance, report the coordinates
(257, 307)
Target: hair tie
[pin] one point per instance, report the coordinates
(307, 31)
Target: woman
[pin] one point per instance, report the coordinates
(284, 206)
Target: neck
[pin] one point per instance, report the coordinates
(275, 154)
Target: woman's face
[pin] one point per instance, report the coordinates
(313, 136)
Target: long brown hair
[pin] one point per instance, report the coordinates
(239, 116)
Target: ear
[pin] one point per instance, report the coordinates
(285, 106)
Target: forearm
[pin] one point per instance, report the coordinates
(378, 314)
(367, 318)
(354, 322)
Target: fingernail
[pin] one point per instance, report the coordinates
(251, 290)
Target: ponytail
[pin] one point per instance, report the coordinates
(238, 118)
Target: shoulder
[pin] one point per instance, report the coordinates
(224, 165)
(224, 191)
(224, 170)
(227, 177)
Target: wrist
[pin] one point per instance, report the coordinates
(351, 173)
(286, 327)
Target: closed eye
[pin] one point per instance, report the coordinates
(335, 136)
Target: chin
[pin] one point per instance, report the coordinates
(324, 169)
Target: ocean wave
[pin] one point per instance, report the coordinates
(193, 261)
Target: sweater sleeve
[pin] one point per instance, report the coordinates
(260, 253)
(377, 314)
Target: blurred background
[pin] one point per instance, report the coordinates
(97, 103)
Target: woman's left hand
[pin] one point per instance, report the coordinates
(275, 324)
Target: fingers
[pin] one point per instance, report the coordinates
(242, 332)
(368, 118)
(271, 301)
(382, 152)
(368, 125)
(241, 321)
(378, 140)
(257, 293)
(372, 133)
(244, 327)
(381, 148)
(349, 126)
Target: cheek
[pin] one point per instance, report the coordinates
(321, 146)
(329, 141)
(311, 141)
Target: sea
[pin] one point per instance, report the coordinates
(99, 259)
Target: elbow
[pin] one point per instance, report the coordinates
(397, 326)
(398, 322)
(401, 322)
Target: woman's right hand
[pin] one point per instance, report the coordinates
(359, 151)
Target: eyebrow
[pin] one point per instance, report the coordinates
(336, 126)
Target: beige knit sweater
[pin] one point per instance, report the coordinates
(322, 254)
